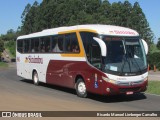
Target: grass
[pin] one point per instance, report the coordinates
(153, 87)
(3, 65)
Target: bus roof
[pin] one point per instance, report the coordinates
(98, 28)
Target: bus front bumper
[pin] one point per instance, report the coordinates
(113, 89)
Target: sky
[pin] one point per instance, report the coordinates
(11, 10)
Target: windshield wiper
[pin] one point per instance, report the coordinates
(124, 57)
(124, 60)
(136, 63)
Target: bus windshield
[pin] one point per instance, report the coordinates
(125, 56)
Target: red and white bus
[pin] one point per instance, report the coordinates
(101, 59)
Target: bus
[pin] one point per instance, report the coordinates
(100, 59)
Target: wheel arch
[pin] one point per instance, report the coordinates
(34, 70)
(79, 76)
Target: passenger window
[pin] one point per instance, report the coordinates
(71, 43)
(36, 46)
(20, 46)
(26, 46)
(74, 43)
(45, 44)
(60, 43)
(67, 46)
(32, 46)
(87, 38)
(54, 44)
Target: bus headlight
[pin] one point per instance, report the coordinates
(145, 79)
(109, 80)
(113, 81)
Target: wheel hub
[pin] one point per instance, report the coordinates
(82, 87)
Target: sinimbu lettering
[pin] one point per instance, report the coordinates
(31, 59)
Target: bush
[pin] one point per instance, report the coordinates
(158, 44)
(1, 46)
(154, 59)
(11, 46)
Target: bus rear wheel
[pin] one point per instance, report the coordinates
(35, 78)
(81, 88)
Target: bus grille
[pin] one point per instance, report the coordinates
(124, 90)
(129, 83)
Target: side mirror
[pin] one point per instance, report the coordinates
(102, 46)
(145, 46)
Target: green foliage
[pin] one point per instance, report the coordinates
(29, 18)
(140, 24)
(25, 12)
(11, 46)
(56, 13)
(154, 59)
(9, 40)
(11, 35)
(153, 48)
(158, 44)
(153, 87)
(1, 47)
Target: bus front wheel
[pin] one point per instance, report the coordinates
(81, 88)
(35, 78)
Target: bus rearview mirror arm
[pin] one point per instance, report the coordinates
(145, 46)
(102, 46)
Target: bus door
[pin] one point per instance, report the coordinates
(95, 55)
(95, 60)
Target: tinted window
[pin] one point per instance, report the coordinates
(71, 43)
(87, 39)
(20, 46)
(60, 43)
(92, 49)
(45, 44)
(67, 46)
(54, 44)
(74, 43)
(34, 45)
(27, 46)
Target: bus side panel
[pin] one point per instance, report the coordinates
(63, 73)
(59, 73)
(23, 68)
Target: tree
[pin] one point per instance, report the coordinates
(103, 14)
(140, 23)
(29, 18)
(25, 12)
(57, 13)
(126, 9)
(11, 35)
(158, 44)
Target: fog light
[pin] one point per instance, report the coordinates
(108, 89)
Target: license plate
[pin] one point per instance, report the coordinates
(129, 93)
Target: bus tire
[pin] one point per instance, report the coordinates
(81, 88)
(35, 78)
